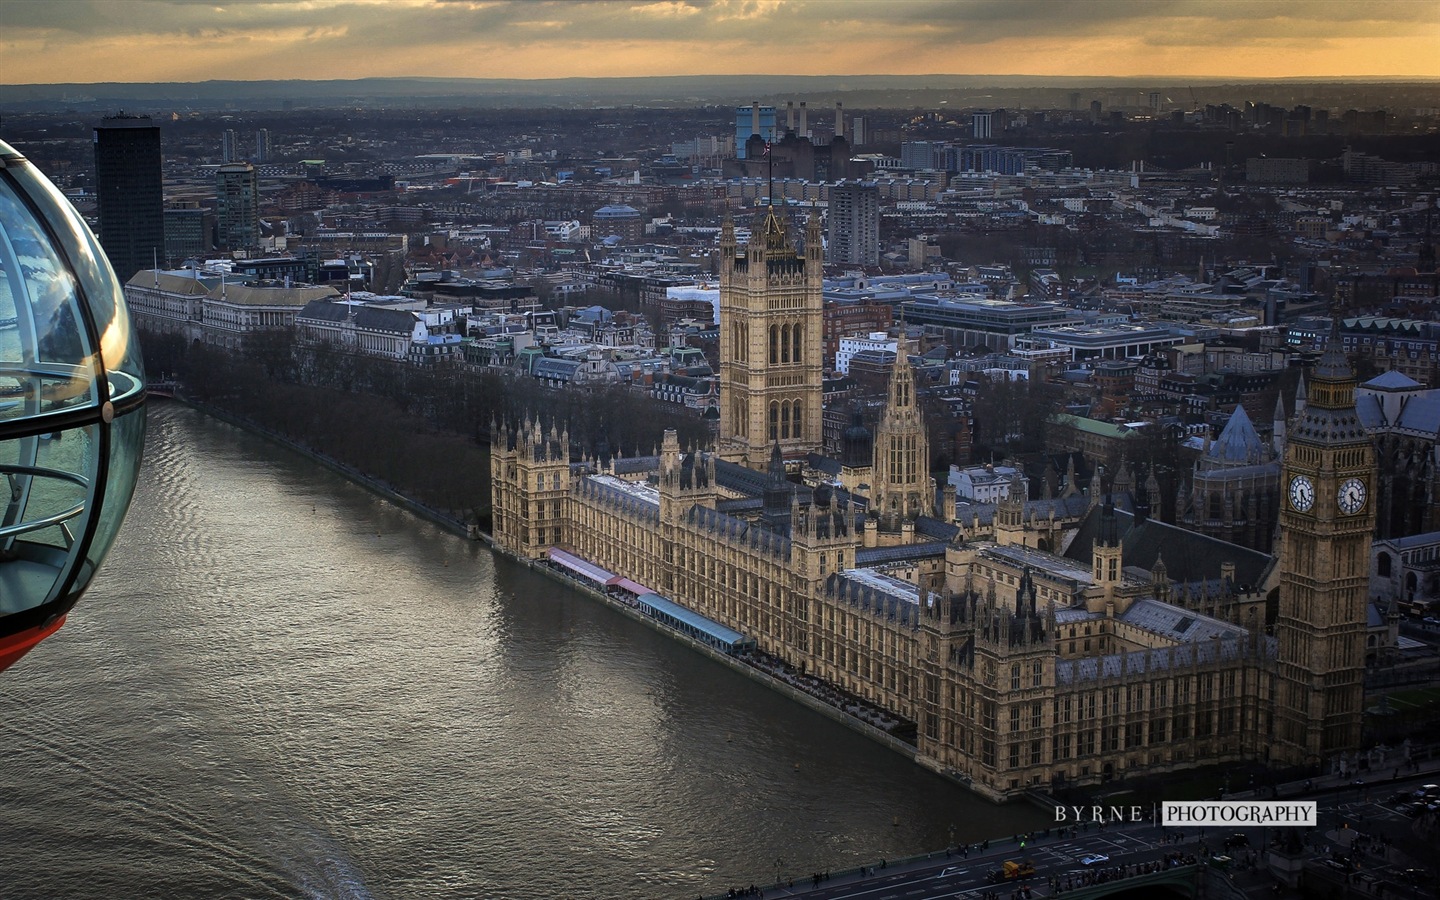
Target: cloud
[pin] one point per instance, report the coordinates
(87, 40)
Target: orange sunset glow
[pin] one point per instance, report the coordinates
(89, 41)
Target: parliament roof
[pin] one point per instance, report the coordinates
(1189, 556)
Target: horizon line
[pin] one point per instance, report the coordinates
(462, 78)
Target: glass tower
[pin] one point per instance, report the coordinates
(129, 190)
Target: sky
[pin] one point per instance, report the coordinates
(60, 41)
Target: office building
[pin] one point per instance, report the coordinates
(129, 192)
(188, 234)
(237, 206)
(920, 155)
(982, 126)
(854, 224)
(262, 145)
(751, 120)
(229, 146)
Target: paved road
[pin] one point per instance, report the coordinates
(1345, 810)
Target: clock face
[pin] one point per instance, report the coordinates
(1302, 493)
(1351, 496)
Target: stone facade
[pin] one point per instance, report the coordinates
(771, 344)
(1326, 522)
(1040, 649)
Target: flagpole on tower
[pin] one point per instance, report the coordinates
(771, 160)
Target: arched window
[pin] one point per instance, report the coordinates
(774, 420)
(796, 344)
(795, 414)
(774, 344)
(785, 419)
(784, 343)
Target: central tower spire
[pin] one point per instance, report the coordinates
(903, 488)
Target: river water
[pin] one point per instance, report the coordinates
(282, 686)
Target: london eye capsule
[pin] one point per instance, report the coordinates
(72, 407)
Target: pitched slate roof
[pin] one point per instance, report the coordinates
(739, 531)
(324, 311)
(1392, 381)
(823, 464)
(935, 528)
(553, 367)
(1178, 623)
(395, 321)
(1238, 442)
(1094, 668)
(194, 285)
(1189, 556)
(874, 556)
(1421, 413)
(877, 593)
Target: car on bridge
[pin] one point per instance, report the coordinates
(1093, 859)
(1011, 871)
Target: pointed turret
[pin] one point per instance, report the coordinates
(1160, 578)
(1107, 556)
(777, 494)
(1239, 444)
(1277, 436)
(900, 473)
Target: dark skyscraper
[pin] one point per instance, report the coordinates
(128, 187)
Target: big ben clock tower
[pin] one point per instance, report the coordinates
(1327, 521)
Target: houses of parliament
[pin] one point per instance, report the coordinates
(1072, 640)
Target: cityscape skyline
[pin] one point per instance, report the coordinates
(359, 39)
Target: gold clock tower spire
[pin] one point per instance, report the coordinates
(1327, 521)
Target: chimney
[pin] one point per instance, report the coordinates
(839, 120)
(789, 115)
(755, 117)
(804, 128)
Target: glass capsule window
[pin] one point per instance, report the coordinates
(72, 394)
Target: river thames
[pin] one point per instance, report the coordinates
(282, 686)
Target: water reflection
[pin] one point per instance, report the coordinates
(282, 685)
